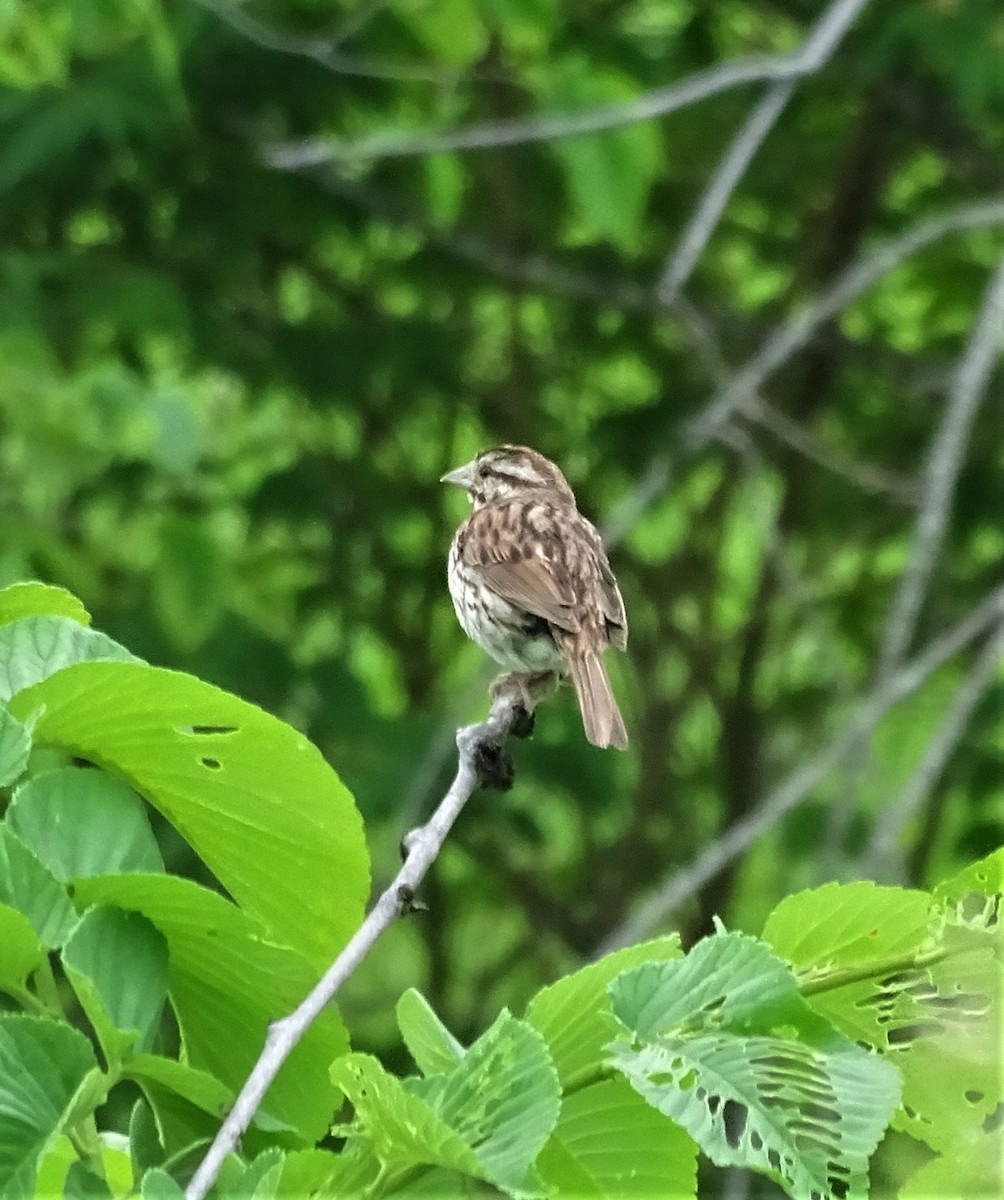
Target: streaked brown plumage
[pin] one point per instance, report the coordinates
(531, 583)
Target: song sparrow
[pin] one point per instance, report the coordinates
(531, 583)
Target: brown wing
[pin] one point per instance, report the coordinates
(609, 594)
(529, 572)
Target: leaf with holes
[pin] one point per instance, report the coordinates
(35, 648)
(610, 1143)
(226, 982)
(82, 822)
(884, 967)
(726, 1047)
(254, 798)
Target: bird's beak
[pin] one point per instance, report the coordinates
(461, 476)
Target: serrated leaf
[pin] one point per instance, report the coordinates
(34, 648)
(20, 950)
(937, 1019)
(227, 983)
(116, 962)
(807, 1118)
(725, 1046)
(573, 1015)
(43, 1065)
(34, 599)
(31, 888)
(15, 746)
(82, 822)
(610, 1143)
(400, 1127)
(503, 1099)
(432, 1046)
(259, 1180)
(254, 797)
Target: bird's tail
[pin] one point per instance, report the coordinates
(601, 717)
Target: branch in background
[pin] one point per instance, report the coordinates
(879, 859)
(314, 152)
(869, 478)
(324, 49)
(943, 466)
(422, 846)
(682, 884)
(817, 49)
(796, 332)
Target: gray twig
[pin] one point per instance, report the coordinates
(942, 472)
(879, 859)
(794, 333)
(422, 847)
(547, 127)
(816, 50)
(799, 785)
(324, 49)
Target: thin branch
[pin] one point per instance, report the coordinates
(323, 49)
(800, 784)
(882, 849)
(794, 333)
(547, 127)
(944, 464)
(817, 48)
(422, 846)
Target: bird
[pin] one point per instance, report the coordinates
(531, 583)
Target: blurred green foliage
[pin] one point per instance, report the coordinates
(227, 392)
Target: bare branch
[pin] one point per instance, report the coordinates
(817, 48)
(422, 846)
(313, 152)
(943, 466)
(789, 337)
(879, 858)
(799, 785)
(323, 49)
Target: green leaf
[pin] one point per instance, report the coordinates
(610, 1143)
(746, 537)
(83, 1184)
(145, 1147)
(158, 1185)
(188, 583)
(15, 746)
(259, 1180)
(254, 798)
(502, 1098)
(972, 897)
(116, 962)
(726, 1047)
(608, 174)
(227, 983)
(936, 1018)
(81, 821)
(35, 648)
(400, 1128)
(40, 600)
(839, 924)
(20, 950)
(199, 1088)
(43, 1066)
(972, 1172)
(432, 1046)
(28, 886)
(451, 30)
(574, 1016)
